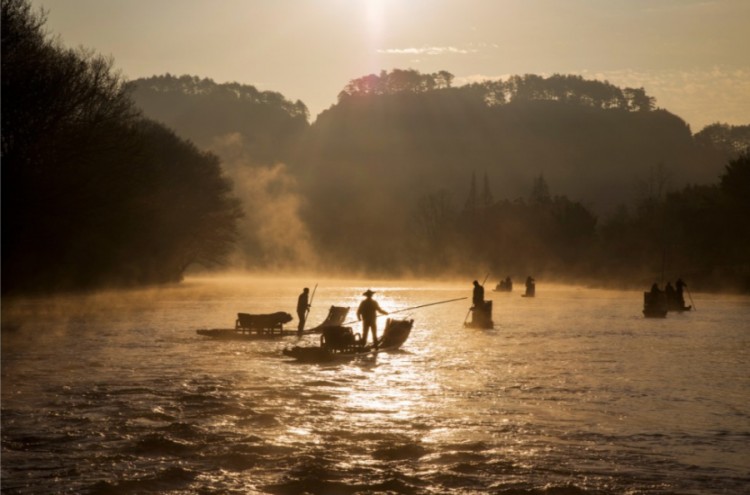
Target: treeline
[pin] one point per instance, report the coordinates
(538, 234)
(529, 87)
(728, 140)
(93, 193)
(699, 233)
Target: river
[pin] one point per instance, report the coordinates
(572, 392)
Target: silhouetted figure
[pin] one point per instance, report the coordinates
(367, 313)
(655, 303)
(530, 287)
(477, 297)
(671, 295)
(505, 285)
(303, 306)
(481, 310)
(679, 287)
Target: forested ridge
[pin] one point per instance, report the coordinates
(204, 110)
(407, 174)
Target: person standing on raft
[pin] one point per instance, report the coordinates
(367, 313)
(679, 287)
(303, 306)
(477, 297)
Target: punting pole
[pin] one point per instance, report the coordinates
(309, 304)
(413, 307)
(425, 305)
(691, 298)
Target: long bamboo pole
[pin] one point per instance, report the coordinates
(307, 310)
(409, 309)
(691, 298)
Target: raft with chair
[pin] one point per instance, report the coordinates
(340, 343)
(268, 326)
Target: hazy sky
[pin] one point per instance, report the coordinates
(692, 55)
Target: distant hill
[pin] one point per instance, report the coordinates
(591, 140)
(266, 123)
(394, 140)
(593, 151)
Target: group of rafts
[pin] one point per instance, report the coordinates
(337, 339)
(657, 302)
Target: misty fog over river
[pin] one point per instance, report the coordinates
(572, 392)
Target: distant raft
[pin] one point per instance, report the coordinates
(268, 326)
(339, 342)
(530, 287)
(481, 316)
(505, 285)
(675, 302)
(655, 304)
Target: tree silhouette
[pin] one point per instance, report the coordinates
(93, 194)
(486, 193)
(540, 191)
(730, 140)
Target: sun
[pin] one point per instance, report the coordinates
(375, 13)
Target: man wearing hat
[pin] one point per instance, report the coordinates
(367, 313)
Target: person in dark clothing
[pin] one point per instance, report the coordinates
(530, 286)
(477, 298)
(367, 314)
(679, 287)
(303, 306)
(671, 295)
(655, 301)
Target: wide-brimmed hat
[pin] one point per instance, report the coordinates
(368, 292)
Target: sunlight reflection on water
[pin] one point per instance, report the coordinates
(573, 390)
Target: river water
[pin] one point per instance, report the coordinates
(572, 392)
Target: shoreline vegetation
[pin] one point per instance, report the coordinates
(112, 183)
